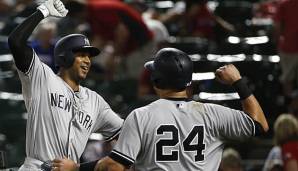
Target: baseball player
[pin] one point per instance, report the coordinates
(174, 132)
(61, 113)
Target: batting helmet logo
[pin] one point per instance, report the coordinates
(86, 41)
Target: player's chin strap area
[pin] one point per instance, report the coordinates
(35, 163)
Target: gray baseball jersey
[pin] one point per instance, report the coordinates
(60, 120)
(179, 135)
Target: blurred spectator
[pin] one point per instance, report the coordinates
(194, 18)
(286, 29)
(21, 9)
(160, 40)
(231, 161)
(286, 136)
(5, 7)
(75, 21)
(44, 42)
(265, 9)
(285, 151)
(274, 161)
(124, 37)
(160, 32)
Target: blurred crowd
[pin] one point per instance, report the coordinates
(128, 32)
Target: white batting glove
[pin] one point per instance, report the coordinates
(53, 8)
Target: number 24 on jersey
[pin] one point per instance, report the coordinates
(187, 144)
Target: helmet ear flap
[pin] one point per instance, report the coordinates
(69, 58)
(154, 78)
(157, 80)
(65, 59)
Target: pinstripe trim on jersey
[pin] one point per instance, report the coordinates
(114, 135)
(121, 158)
(31, 64)
(253, 123)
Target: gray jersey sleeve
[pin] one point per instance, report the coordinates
(229, 123)
(108, 123)
(129, 142)
(34, 80)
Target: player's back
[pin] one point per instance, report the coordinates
(175, 134)
(179, 134)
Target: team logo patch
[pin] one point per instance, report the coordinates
(86, 41)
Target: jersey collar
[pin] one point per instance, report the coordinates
(179, 99)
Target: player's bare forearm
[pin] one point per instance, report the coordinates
(108, 164)
(229, 74)
(252, 107)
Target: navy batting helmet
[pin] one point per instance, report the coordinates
(171, 69)
(68, 45)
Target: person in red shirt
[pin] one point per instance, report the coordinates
(286, 29)
(286, 137)
(265, 9)
(194, 18)
(122, 28)
(290, 155)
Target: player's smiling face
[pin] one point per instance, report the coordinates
(81, 65)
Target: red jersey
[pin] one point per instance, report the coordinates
(204, 23)
(286, 15)
(104, 16)
(267, 9)
(290, 151)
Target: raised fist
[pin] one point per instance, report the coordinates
(227, 74)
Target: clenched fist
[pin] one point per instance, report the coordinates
(227, 74)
